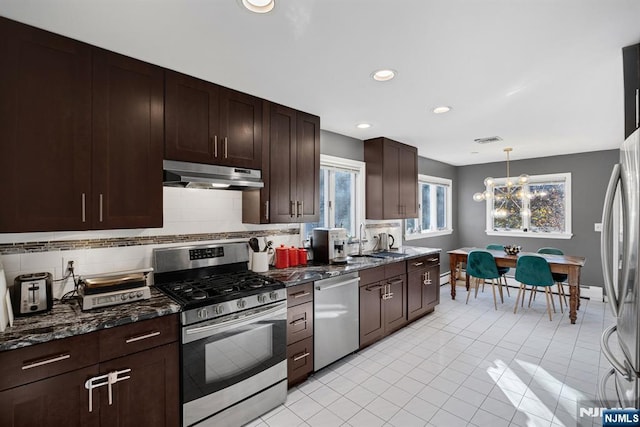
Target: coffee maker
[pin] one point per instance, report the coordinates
(329, 245)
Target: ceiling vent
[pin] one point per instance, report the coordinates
(488, 140)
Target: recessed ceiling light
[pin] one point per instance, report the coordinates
(441, 109)
(259, 6)
(363, 125)
(383, 75)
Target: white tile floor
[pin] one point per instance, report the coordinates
(463, 365)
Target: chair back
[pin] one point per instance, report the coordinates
(558, 277)
(482, 265)
(533, 270)
(495, 247)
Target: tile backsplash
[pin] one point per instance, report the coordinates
(191, 216)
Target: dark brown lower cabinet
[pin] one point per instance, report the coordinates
(46, 384)
(383, 303)
(423, 285)
(299, 332)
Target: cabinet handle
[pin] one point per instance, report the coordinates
(142, 337)
(100, 207)
(266, 210)
(226, 146)
(107, 379)
(395, 282)
(84, 207)
(426, 278)
(298, 321)
(292, 208)
(637, 108)
(433, 260)
(299, 208)
(46, 361)
(418, 264)
(300, 294)
(301, 356)
(214, 142)
(374, 287)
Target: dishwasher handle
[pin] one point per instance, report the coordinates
(337, 285)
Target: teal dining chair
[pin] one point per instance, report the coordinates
(559, 278)
(481, 266)
(534, 270)
(501, 270)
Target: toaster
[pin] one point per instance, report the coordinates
(31, 294)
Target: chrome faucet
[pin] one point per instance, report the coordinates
(360, 240)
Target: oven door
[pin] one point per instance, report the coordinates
(242, 354)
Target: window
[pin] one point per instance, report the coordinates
(341, 195)
(544, 211)
(434, 195)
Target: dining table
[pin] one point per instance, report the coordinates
(565, 264)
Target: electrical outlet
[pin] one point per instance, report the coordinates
(597, 226)
(69, 265)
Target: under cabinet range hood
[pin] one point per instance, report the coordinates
(213, 177)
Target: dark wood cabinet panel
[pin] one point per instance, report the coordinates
(151, 397)
(283, 158)
(240, 129)
(45, 129)
(128, 141)
(57, 401)
(299, 332)
(631, 74)
(82, 133)
(371, 313)
(423, 285)
(392, 179)
(299, 322)
(395, 306)
(191, 118)
(307, 167)
(299, 361)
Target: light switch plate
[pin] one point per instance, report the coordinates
(597, 226)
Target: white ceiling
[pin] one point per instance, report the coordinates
(545, 75)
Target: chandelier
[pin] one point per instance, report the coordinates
(508, 196)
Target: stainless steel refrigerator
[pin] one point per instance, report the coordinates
(619, 251)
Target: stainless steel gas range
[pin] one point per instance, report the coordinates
(234, 365)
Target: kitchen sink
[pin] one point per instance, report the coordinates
(387, 254)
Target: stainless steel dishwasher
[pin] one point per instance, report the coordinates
(336, 319)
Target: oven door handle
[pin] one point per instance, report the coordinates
(218, 327)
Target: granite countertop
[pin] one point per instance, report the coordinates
(66, 320)
(307, 273)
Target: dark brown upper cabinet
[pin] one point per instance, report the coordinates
(291, 170)
(392, 179)
(207, 123)
(81, 135)
(631, 71)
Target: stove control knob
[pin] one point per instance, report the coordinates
(123, 297)
(273, 296)
(219, 309)
(262, 298)
(139, 294)
(202, 313)
(242, 303)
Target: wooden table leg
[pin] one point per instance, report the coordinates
(453, 262)
(574, 293)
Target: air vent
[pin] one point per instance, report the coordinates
(487, 140)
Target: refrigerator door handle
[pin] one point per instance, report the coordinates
(606, 350)
(605, 241)
(602, 388)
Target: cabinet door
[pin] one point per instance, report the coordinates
(45, 130)
(150, 397)
(57, 401)
(240, 130)
(307, 167)
(191, 119)
(408, 181)
(128, 140)
(391, 180)
(431, 290)
(415, 290)
(395, 307)
(371, 313)
(283, 162)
